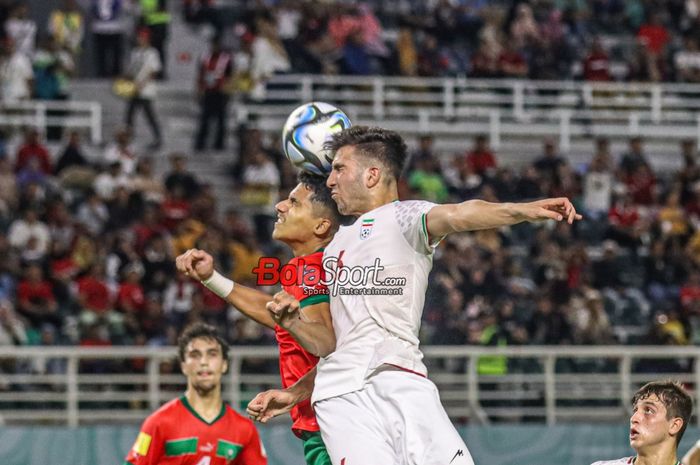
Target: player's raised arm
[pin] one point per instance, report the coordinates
(473, 215)
(311, 326)
(275, 402)
(199, 265)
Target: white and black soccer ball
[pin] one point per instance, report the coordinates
(306, 131)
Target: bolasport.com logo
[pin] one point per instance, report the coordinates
(329, 277)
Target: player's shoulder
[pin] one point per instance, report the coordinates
(412, 207)
(165, 412)
(622, 461)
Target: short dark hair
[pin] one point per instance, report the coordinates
(676, 400)
(321, 196)
(380, 144)
(200, 330)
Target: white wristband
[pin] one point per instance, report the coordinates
(219, 285)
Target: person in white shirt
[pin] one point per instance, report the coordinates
(371, 394)
(16, 74)
(661, 411)
(144, 65)
(22, 29)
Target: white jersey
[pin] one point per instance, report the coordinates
(376, 322)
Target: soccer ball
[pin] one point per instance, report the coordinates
(306, 131)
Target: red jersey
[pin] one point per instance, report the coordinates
(176, 434)
(295, 362)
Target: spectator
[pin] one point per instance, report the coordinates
(30, 235)
(122, 151)
(155, 17)
(53, 67)
(72, 167)
(548, 325)
(481, 159)
(511, 62)
(35, 298)
(146, 183)
(108, 28)
(549, 163)
(179, 176)
(93, 214)
(33, 149)
(259, 192)
(144, 65)
(596, 66)
(16, 74)
(21, 29)
(428, 181)
(107, 182)
(687, 60)
(633, 158)
(268, 56)
(67, 27)
(94, 297)
(9, 192)
(215, 70)
(654, 35)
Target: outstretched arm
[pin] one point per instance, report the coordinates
(274, 402)
(473, 215)
(199, 265)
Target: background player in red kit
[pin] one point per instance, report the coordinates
(307, 221)
(198, 428)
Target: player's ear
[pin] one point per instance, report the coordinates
(675, 426)
(225, 367)
(323, 227)
(373, 175)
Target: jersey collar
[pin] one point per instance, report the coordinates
(187, 405)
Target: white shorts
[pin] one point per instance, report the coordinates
(396, 419)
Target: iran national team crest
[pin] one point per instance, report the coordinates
(366, 228)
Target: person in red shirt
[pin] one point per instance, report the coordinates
(215, 69)
(308, 219)
(93, 294)
(596, 66)
(481, 159)
(33, 149)
(654, 34)
(35, 298)
(199, 427)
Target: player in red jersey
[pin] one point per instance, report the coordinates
(198, 428)
(308, 219)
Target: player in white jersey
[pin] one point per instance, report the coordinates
(660, 413)
(371, 395)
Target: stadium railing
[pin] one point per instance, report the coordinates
(500, 108)
(73, 385)
(61, 113)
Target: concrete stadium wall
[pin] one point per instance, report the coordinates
(495, 445)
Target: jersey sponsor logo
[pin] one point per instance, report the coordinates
(208, 447)
(142, 444)
(366, 228)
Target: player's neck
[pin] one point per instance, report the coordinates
(301, 249)
(381, 198)
(658, 456)
(207, 406)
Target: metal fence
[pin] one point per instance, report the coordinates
(45, 113)
(566, 110)
(73, 385)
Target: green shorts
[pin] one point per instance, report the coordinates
(314, 449)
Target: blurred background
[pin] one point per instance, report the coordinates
(536, 335)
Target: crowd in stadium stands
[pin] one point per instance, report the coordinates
(88, 243)
(638, 40)
(88, 248)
